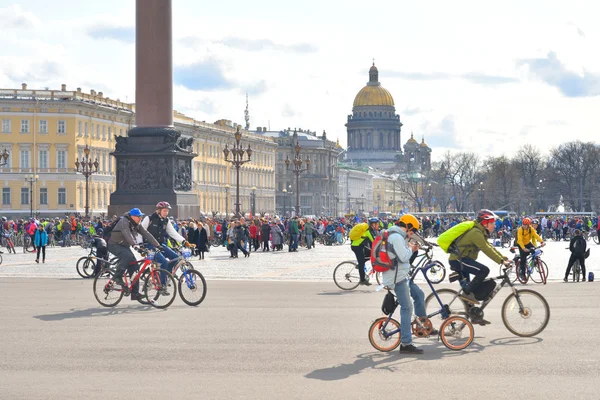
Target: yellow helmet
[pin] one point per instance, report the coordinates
(409, 221)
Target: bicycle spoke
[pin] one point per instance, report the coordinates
(526, 315)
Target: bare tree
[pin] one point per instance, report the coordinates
(501, 183)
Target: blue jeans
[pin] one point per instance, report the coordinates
(165, 264)
(294, 240)
(309, 240)
(404, 291)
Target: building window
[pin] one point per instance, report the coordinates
(99, 203)
(43, 126)
(24, 126)
(6, 196)
(62, 127)
(79, 127)
(280, 156)
(43, 195)
(105, 196)
(6, 126)
(61, 159)
(25, 159)
(97, 131)
(62, 196)
(43, 159)
(103, 132)
(80, 196)
(24, 195)
(109, 133)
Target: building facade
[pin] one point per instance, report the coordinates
(318, 185)
(355, 192)
(46, 131)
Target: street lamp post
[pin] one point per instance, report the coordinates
(349, 205)
(284, 201)
(87, 168)
(30, 179)
(297, 171)
(226, 201)
(253, 196)
(237, 161)
(4, 158)
(481, 190)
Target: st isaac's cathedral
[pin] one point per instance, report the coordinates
(374, 132)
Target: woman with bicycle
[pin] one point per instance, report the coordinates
(577, 248)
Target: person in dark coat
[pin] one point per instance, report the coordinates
(201, 244)
(265, 231)
(192, 232)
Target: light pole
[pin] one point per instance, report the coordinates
(284, 201)
(30, 179)
(4, 158)
(349, 205)
(226, 201)
(297, 171)
(253, 196)
(87, 168)
(238, 160)
(481, 190)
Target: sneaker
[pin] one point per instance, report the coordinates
(482, 322)
(565, 280)
(164, 291)
(410, 349)
(118, 280)
(583, 280)
(37, 261)
(365, 283)
(469, 298)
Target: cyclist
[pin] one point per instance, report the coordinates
(399, 279)
(160, 227)
(362, 246)
(122, 238)
(469, 245)
(577, 247)
(527, 238)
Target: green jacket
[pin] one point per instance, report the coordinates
(293, 227)
(476, 240)
(309, 229)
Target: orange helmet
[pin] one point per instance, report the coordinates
(526, 221)
(409, 221)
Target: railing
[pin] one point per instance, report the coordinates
(50, 95)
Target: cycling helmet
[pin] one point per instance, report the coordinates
(486, 216)
(409, 221)
(373, 220)
(163, 204)
(4, 219)
(526, 221)
(535, 221)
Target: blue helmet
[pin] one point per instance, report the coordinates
(135, 212)
(373, 220)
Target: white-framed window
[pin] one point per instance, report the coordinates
(43, 159)
(43, 126)
(105, 191)
(25, 195)
(99, 203)
(103, 132)
(24, 126)
(85, 131)
(97, 131)
(62, 196)
(6, 195)
(109, 133)
(62, 127)
(43, 195)
(6, 126)
(61, 159)
(25, 160)
(79, 124)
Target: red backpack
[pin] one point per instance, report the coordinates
(380, 260)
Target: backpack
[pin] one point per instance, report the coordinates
(389, 303)
(380, 259)
(579, 245)
(591, 277)
(358, 230)
(447, 240)
(108, 229)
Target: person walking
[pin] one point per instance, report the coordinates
(293, 231)
(202, 243)
(265, 232)
(40, 240)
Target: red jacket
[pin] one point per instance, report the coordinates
(253, 231)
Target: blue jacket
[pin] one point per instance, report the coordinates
(40, 238)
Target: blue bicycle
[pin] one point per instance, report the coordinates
(456, 332)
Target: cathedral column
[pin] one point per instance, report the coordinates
(383, 141)
(397, 135)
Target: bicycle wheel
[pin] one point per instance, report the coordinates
(0, 259)
(346, 276)
(85, 267)
(576, 271)
(457, 332)
(379, 334)
(28, 246)
(596, 239)
(542, 269)
(106, 292)
(525, 314)
(378, 277)
(437, 273)
(160, 295)
(447, 296)
(192, 287)
(523, 278)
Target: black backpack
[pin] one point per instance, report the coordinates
(108, 229)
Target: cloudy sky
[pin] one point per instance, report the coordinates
(467, 75)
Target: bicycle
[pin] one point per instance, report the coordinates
(437, 270)
(104, 286)
(520, 308)
(28, 246)
(534, 264)
(191, 281)
(88, 266)
(452, 327)
(594, 236)
(346, 276)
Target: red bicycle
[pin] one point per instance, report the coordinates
(109, 293)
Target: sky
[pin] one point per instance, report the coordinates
(465, 75)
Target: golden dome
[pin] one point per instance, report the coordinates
(423, 144)
(373, 94)
(412, 140)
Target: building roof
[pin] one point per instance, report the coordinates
(373, 94)
(412, 140)
(423, 144)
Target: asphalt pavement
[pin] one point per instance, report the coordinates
(278, 340)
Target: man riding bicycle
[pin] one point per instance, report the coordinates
(159, 226)
(362, 246)
(122, 238)
(468, 247)
(527, 239)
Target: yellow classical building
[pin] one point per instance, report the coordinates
(46, 131)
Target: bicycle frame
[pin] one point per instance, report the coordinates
(144, 264)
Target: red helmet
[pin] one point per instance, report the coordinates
(163, 204)
(486, 216)
(526, 221)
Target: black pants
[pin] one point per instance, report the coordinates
(126, 258)
(254, 243)
(574, 257)
(42, 249)
(201, 255)
(523, 255)
(266, 244)
(360, 258)
(467, 267)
